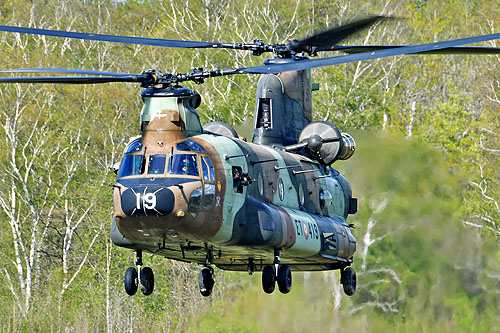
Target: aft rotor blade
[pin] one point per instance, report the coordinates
(75, 79)
(60, 70)
(302, 64)
(337, 34)
(110, 38)
(447, 50)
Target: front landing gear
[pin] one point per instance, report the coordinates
(134, 276)
(131, 281)
(206, 281)
(147, 281)
(348, 280)
(277, 273)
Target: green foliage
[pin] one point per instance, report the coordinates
(419, 277)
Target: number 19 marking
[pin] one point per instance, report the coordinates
(148, 200)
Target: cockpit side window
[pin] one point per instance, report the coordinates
(157, 164)
(183, 164)
(208, 196)
(132, 164)
(204, 166)
(208, 169)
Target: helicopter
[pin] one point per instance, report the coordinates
(203, 194)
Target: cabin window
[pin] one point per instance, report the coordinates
(325, 198)
(237, 179)
(157, 164)
(302, 199)
(260, 184)
(132, 165)
(183, 164)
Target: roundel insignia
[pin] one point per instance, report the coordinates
(219, 186)
(306, 231)
(281, 189)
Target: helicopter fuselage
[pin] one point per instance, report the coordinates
(205, 196)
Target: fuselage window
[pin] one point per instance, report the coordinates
(237, 179)
(183, 164)
(131, 165)
(157, 164)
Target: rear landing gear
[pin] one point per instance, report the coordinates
(277, 273)
(348, 280)
(284, 279)
(134, 276)
(268, 279)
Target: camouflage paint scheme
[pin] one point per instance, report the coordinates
(259, 198)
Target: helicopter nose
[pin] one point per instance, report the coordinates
(147, 201)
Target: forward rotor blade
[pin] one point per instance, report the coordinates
(304, 63)
(337, 34)
(110, 38)
(60, 70)
(75, 79)
(447, 50)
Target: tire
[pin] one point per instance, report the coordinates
(348, 280)
(130, 281)
(268, 280)
(284, 279)
(206, 281)
(147, 281)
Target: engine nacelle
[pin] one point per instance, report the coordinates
(326, 143)
(349, 146)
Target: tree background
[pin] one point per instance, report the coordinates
(426, 170)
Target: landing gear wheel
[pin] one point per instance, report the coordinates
(348, 280)
(147, 281)
(131, 281)
(284, 279)
(206, 281)
(268, 280)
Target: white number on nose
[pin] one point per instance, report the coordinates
(148, 200)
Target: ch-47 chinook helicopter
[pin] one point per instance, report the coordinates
(203, 194)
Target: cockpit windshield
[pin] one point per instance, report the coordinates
(131, 166)
(183, 164)
(189, 159)
(157, 164)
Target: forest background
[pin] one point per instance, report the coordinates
(426, 171)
